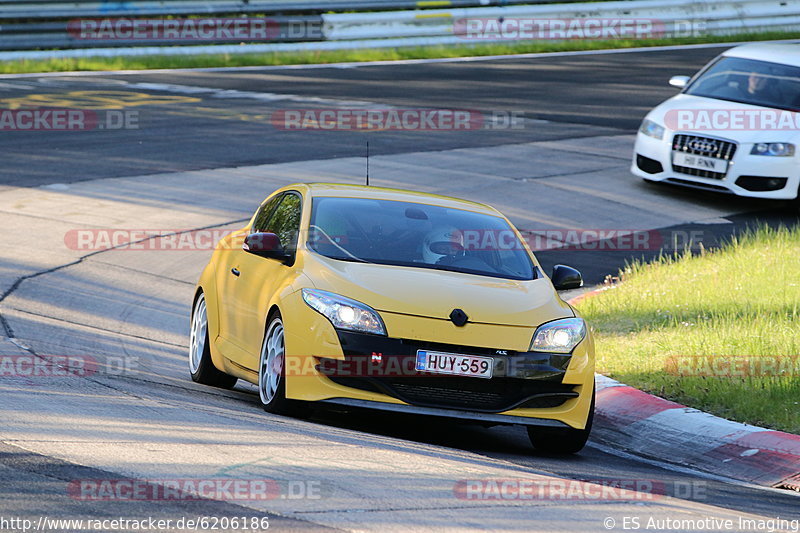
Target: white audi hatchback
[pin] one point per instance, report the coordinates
(734, 128)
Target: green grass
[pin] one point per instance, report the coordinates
(338, 56)
(740, 300)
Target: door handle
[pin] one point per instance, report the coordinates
(235, 272)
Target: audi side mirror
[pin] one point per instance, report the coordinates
(679, 81)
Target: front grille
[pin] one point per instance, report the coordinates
(487, 395)
(453, 396)
(387, 365)
(724, 150)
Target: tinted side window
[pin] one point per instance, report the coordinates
(285, 221)
(262, 218)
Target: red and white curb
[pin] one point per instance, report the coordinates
(645, 425)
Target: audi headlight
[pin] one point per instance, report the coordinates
(343, 312)
(559, 336)
(652, 129)
(776, 149)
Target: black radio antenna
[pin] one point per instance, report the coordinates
(367, 163)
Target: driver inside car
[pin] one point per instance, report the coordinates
(443, 246)
(761, 86)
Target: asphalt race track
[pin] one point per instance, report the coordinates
(204, 154)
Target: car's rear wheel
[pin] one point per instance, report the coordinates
(271, 368)
(561, 440)
(200, 365)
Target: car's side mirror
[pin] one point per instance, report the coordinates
(565, 278)
(679, 81)
(264, 244)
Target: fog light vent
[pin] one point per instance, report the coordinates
(651, 166)
(761, 183)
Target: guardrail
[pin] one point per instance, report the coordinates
(320, 29)
(51, 9)
(67, 34)
(44, 24)
(673, 18)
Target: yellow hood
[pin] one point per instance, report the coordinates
(435, 293)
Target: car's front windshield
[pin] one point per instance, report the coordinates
(750, 82)
(417, 235)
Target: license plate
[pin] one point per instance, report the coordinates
(454, 364)
(699, 162)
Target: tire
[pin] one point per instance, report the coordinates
(561, 441)
(272, 370)
(201, 367)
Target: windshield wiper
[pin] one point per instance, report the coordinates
(350, 257)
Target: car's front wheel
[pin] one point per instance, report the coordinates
(200, 364)
(561, 440)
(271, 368)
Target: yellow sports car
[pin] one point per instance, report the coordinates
(395, 300)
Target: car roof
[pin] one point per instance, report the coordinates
(341, 190)
(783, 53)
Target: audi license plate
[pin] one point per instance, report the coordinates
(699, 162)
(473, 366)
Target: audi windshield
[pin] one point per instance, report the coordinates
(750, 82)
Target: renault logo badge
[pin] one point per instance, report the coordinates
(458, 317)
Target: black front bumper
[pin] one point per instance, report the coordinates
(387, 366)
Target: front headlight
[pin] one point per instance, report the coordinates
(776, 149)
(343, 312)
(559, 336)
(652, 129)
